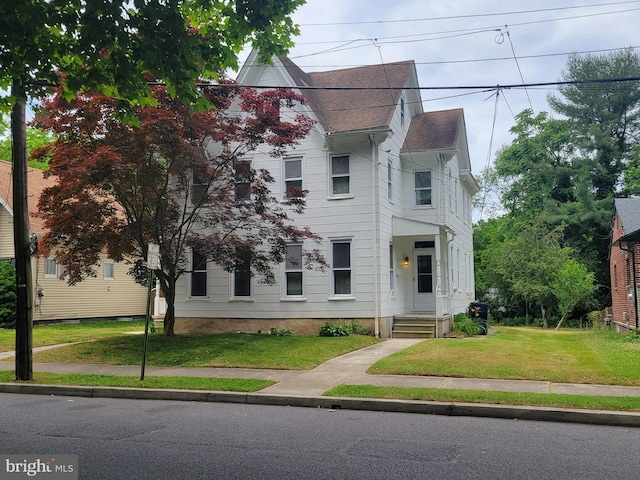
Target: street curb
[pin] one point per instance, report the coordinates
(511, 412)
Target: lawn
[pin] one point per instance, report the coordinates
(567, 356)
(71, 332)
(224, 350)
(549, 400)
(190, 383)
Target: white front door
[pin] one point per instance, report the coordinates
(424, 298)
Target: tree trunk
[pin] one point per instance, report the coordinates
(560, 322)
(545, 322)
(22, 250)
(170, 297)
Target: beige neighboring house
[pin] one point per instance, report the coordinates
(112, 294)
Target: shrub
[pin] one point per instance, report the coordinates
(282, 332)
(331, 330)
(7, 295)
(466, 325)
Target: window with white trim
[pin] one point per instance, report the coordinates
(423, 191)
(292, 177)
(392, 270)
(340, 174)
(243, 177)
(402, 110)
(198, 277)
(293, 286)
(341, 267)
(50, 268)
(108, 270)
(242, 275)
(198, 187)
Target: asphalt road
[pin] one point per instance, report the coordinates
(151, 439)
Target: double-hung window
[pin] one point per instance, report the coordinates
(293, 177)
(198, 287)
(340, 175)
(341, 267)
(243, 177)
(423, 187)
(198, 187)
(242, 275)
(108, 270)
(392, 271)
(293, 271)
(50, 268)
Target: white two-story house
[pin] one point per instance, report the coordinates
(389, 191)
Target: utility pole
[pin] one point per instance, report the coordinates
(24, 290)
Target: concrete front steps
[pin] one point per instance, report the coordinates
(414, 326)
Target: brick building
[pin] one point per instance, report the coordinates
(624, 263)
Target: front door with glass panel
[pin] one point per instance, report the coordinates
(424, 299)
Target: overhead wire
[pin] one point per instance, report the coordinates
(454, 17)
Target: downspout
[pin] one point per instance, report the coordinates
(375, 231)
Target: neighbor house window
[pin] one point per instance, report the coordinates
(293, 271)
(108, 268)
(292, 177)
(242, 274)
(401, 111)
(341, 267)
(243, 176)
(198, 286)
(615, 276)
(340, 175)
(50, 268)
(423, 187)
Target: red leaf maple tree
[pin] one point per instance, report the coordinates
(174, 178)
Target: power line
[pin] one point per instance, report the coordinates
(455, 17)
(486, 88)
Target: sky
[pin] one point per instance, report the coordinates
(467, 43)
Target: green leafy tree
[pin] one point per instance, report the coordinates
(572, 285)
(488, 239)
(631, 174)
(7, 295)
(536, 167)
(605, 116)
(529, 259)
(543, 176)
(36, 138)
(108, 46)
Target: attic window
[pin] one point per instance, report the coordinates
(401, 111)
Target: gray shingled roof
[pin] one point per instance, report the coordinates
(629, 213)
(433, 131)
(352, 109)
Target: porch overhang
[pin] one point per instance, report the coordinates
(403, 227)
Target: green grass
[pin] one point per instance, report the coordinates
(224, 350)
(188, 383)
(567, 356)
(71, 332)
(478, 396)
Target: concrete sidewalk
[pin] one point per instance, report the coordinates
(306, 388)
